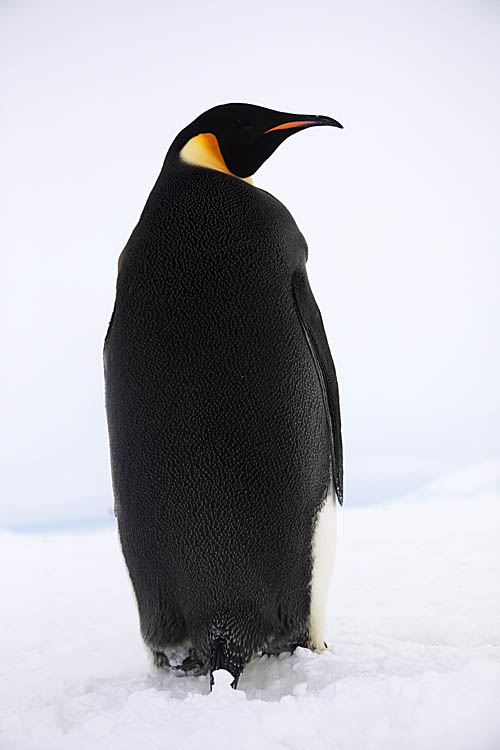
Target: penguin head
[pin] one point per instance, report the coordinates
(238, 138)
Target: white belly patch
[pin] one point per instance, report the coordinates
(323, 558)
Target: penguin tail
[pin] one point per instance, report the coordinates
(222, 656)
(229, 640)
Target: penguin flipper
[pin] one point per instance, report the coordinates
(312, 324)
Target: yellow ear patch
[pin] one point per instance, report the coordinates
(203, 151)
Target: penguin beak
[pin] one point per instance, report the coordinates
(304, 123)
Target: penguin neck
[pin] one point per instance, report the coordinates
(203, 151)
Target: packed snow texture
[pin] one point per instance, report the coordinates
(413, 632)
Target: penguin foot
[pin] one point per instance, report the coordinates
(192, 664)
(160, 660)
(282, 647)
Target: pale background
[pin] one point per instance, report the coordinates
(400, 211)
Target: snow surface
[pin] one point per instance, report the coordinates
(413, 632)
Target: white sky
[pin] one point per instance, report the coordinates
(400, 211)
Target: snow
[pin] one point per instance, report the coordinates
(413, 632)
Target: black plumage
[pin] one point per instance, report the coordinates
(223, 415)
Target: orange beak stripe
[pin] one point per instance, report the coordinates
(292, 125)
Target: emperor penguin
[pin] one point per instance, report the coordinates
(223, 406)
